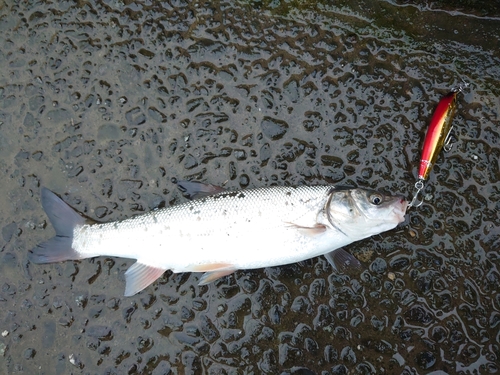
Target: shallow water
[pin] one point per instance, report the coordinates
(107, 103)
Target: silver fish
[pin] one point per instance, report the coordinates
(224, 231)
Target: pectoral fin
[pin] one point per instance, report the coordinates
(309, 231)
(139, 276)
(341, 260)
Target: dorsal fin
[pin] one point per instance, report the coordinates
(195, 190)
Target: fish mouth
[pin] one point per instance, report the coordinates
(400, 210)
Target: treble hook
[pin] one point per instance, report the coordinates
(447, 142)
(415, 202)
(461, 86)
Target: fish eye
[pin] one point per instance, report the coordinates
(376, 199)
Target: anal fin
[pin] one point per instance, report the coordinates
(210, 267)
(213, 271)
(209, 277)
(139, 276)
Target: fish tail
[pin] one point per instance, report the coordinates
(64, 220)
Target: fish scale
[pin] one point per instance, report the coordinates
(223, 232)
(230, 217)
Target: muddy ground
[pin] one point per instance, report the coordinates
(107, 103)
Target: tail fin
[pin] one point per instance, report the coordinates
(64, 219)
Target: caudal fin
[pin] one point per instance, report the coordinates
(64, 219)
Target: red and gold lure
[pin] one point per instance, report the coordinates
(436, 138)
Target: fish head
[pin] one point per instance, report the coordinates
(361, 213)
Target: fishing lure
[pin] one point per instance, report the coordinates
(437, 138)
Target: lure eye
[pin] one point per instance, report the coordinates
(376, 199)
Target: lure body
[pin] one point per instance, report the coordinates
(438, 131)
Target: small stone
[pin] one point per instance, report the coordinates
(29, 353)
(75, 361)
